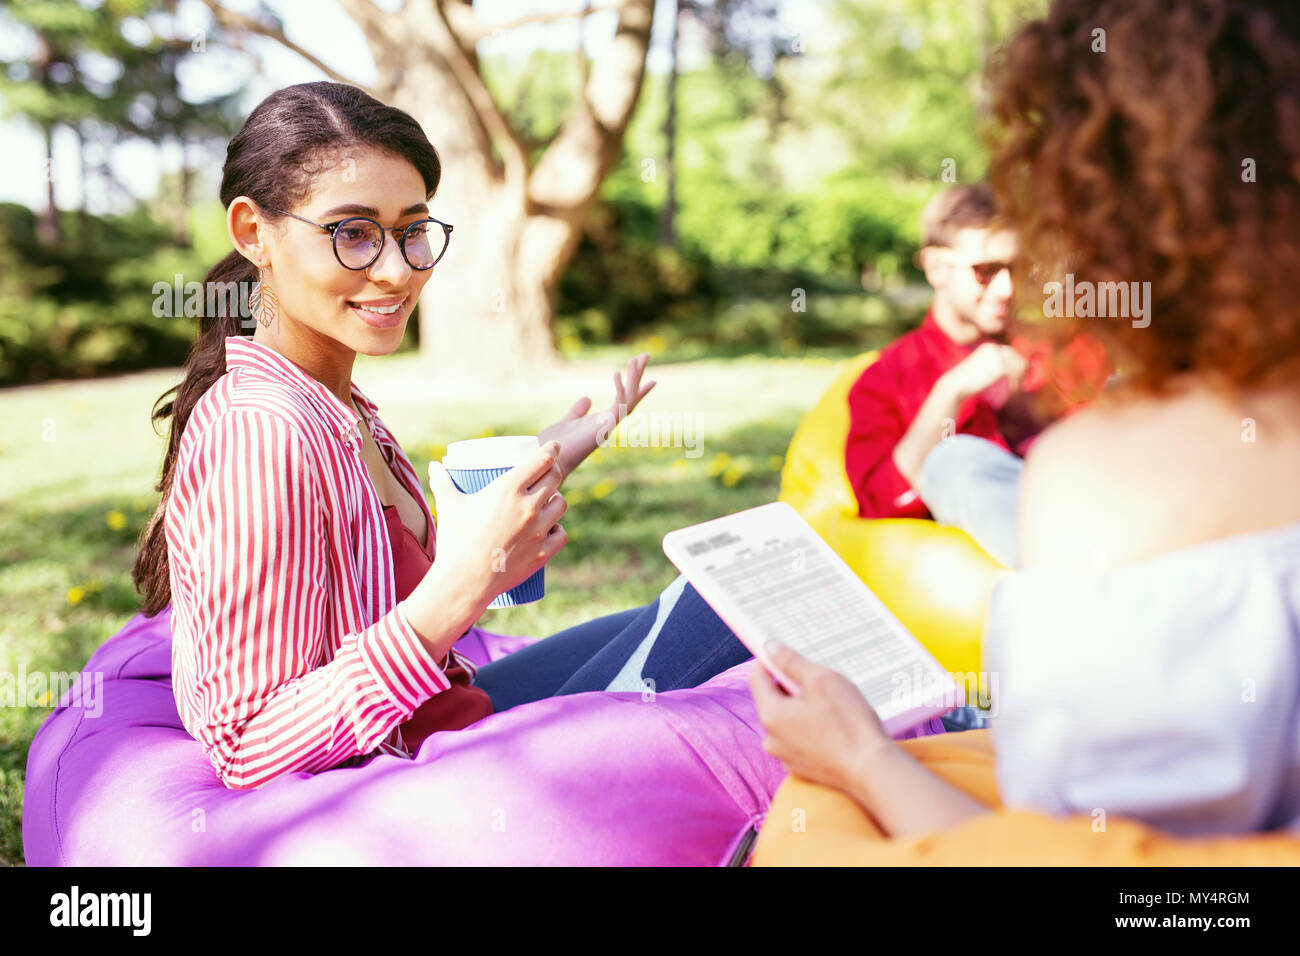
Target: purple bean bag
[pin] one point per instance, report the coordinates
(601, 778)
(114, 779)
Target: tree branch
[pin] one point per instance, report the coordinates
(379, 28)
(238, 21)
(514, 153)
(374, 22)
(581, 70)
(570, 172)
(480, 31)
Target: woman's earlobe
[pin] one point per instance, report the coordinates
(244, 229)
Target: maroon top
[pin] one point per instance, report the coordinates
(462, 703)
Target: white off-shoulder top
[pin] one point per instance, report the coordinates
(1166, 690)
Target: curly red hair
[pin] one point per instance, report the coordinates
(1136, 165)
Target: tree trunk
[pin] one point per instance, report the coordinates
(668, 221)
(181, 222)
(48, 230)
(486, 311)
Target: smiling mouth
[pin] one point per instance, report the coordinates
(377, 309)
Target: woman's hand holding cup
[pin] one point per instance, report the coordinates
(495, 538)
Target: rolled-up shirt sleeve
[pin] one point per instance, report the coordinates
(250, 563)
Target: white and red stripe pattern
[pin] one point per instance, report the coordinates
(288, 650)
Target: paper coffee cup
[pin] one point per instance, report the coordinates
(498, 451)
(474, 464)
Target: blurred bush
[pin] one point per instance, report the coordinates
(85, 306)
(750, 272)
(836, 231)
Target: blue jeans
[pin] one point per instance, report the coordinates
(674, 641)
(973, 484)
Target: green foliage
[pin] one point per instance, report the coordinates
(813, 179)
(85, 305)
(534, 93)
(834, 231)
(751, 272)
(67, 83)
(906, 89)
(622, 280)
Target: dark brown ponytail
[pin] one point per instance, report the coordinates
(206, 364)
(273, 159)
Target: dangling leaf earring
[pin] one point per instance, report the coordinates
(262, 301)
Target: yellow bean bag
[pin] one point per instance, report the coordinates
(811, 825)
(936, 580)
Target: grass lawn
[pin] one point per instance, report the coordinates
(78, 462)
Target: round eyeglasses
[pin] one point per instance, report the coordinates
(358, 240)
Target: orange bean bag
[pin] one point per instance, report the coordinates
(811, 825)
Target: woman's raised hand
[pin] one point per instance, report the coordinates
(580, 433)
(496, 538)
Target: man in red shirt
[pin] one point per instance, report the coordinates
(957, 375)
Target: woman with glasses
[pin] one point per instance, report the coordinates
(311, 622)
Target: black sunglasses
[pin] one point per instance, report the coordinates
(358, 240)
(986, 272)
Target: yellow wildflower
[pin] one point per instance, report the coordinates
(75, 595)
(602, 488)
(116, 520)
(719, 464)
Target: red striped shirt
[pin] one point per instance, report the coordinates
(289, 650)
